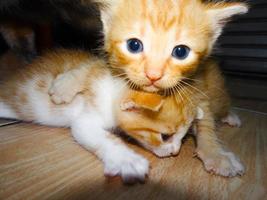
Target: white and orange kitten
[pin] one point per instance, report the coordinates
(91, 116)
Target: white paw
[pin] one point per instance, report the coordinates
(232, 119)
(223, 163)
(63, 89)
(128, 105)
(129, 165)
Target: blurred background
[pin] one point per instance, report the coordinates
(242, 49)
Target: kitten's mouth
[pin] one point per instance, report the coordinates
(151, 88)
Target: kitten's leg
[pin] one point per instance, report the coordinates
(215, 158)
(118, 159)
(232, 119)
(67, 85)
(6, 111)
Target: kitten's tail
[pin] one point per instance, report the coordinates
(20, 39)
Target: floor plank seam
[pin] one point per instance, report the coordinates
(251, 111)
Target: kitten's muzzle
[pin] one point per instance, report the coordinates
(154, 75)
(167, 150)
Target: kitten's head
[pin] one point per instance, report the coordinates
(156, 44)
(159, 126)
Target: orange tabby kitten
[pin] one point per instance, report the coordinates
(91, 115)
(164, 48)
(163, 45)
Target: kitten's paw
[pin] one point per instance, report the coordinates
(130, 166)
(64, 88)
(128, 105)
(232, 119)
(222, 163)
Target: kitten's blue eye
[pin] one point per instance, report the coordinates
(134, 45)
(181, 52)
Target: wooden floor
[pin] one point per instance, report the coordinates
(37, 162)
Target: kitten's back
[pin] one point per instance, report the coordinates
(25, 91)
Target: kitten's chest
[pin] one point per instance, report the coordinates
(107, 95)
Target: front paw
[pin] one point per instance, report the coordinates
(130, 166)
(64, 88)
(128, 105)
(222, 163)
(232, 119)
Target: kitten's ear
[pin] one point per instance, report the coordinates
(221, 13)
(107, 9)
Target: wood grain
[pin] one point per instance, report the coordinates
(39, 162)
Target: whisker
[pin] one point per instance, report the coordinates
(191, 79)
(180, 94)
(186, 95)
(204, 94)
(176, 98)
(120, 75)
(175, 91)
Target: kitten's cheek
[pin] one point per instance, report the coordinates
(176, 148)
(139, 79)
(166, 82)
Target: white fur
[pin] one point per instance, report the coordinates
(90, 129)
(173, 147)
(232, 119)
(39, 110)
(200, 113)
(107, 91)
(6, 111)
(90, 123)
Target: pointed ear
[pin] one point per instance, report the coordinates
(221, 13)
(107, 9)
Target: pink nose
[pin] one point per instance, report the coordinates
(153, 75)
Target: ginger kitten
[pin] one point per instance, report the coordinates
(91, 115)
(164, 46)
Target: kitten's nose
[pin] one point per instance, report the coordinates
(154, 75)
